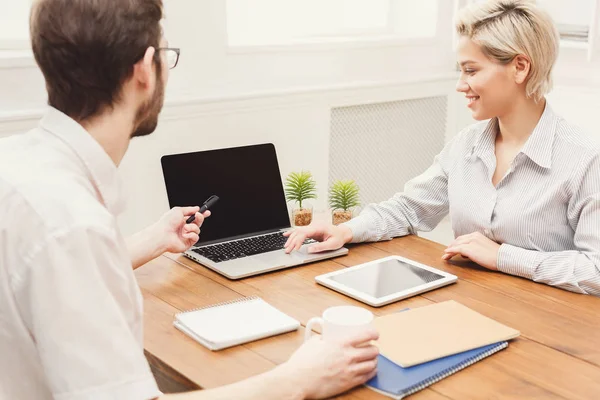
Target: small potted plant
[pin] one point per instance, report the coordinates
(300, 186)
(343, 197)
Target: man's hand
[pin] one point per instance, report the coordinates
(170, 233)
(177, 236)
(331, 237)
(477, 248)
(323, 368)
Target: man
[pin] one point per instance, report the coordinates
(70, 309)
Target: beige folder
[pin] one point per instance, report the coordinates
(427, 333)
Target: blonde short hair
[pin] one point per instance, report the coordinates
(507, 28)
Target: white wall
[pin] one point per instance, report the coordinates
(208, 68)
(297, 123)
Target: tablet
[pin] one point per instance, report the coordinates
(386, 280)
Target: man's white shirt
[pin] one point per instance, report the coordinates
(70, 307)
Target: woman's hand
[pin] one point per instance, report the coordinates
(331, 237)
(477, 248)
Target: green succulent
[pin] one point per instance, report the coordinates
(343, 195)
(300, 186)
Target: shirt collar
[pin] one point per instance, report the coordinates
(538, 146)
(102, 171)
(486, 141)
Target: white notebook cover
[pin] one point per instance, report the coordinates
(228, 324)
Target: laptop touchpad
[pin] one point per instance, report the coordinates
(280, 258)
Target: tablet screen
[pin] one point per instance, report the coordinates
(385, 278)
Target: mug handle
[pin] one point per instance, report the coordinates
(312, 322)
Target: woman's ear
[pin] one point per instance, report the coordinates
(522, 66)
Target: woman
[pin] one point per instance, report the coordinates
(522, 189)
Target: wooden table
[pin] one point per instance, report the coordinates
(556, 357)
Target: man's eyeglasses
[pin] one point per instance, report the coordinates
(172, 56)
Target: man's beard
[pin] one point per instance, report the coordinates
(146, 118)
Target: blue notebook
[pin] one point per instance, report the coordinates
(397, 382)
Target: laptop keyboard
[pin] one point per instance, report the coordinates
(244, 247)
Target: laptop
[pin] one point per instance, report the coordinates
(244, 234)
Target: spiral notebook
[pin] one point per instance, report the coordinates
(397, 382)
(228, 324)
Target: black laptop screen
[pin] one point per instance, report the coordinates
(247, 181)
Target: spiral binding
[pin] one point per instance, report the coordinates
(225, 303)
(450, 371)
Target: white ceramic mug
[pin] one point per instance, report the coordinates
(340, 321)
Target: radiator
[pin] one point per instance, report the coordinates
(382, 146)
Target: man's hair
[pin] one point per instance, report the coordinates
(86, 49)
(507, 28)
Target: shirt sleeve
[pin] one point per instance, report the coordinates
(421, 207)
(576, 270)
(73, 298)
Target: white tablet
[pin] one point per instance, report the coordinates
(386, 280)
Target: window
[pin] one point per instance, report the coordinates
(14, 24)
(576, 21)
(572, 18)
(285, 22)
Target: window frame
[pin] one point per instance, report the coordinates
(386, 38)
(14, 44)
